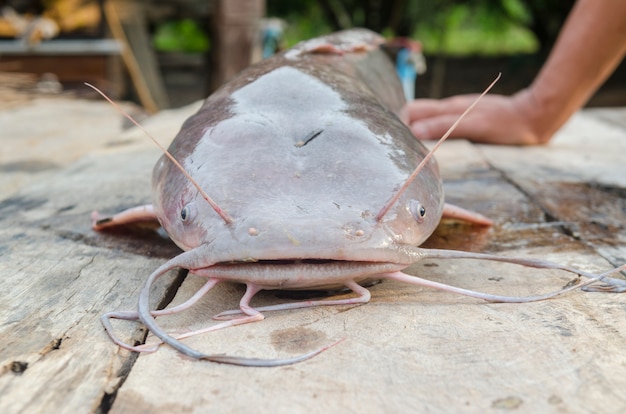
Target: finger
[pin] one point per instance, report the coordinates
(428, 108)
(420, 109)
(436, 127)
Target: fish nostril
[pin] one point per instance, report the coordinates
(351, 231)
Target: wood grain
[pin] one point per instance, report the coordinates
(409, 349)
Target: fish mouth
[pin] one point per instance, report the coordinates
(279, 262)
(298, 273)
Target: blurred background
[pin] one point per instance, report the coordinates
(168, 53)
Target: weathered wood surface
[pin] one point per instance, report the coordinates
(409, 349)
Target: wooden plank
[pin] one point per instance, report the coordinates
(55, 48)
(410, 348)
(615, 116)
(578, 180)
(235, 28)
(99, 70)
(36, 143)
(128, 25)
(59, 277)
(585, 149)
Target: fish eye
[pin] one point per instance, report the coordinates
(188, 212)
(418, 211)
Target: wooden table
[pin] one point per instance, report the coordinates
(409, 349)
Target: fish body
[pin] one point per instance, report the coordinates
(302, 150)
(299, 174)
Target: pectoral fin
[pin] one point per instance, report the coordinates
(143, 213)
(452, 212)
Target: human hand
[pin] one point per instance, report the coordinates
(496, 119)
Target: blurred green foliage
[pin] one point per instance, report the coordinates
(451, 27)
(180, 36)
(305, 19)
(465, 30)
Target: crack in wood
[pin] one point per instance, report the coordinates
(108, 398)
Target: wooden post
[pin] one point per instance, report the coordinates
(128, 24)
(234, 31)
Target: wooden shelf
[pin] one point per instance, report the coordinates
(62, 47)
(72, 61)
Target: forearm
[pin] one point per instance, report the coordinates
(590, 46)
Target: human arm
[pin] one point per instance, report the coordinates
(589, 47)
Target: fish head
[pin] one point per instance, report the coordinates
(303, 171)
